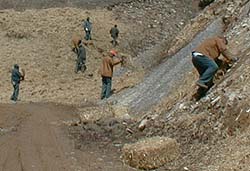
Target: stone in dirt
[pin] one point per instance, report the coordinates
(150, 153)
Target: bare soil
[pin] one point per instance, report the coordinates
(35, 137)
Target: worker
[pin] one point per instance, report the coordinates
(203, 59)
(16, 78)
(81, 58)
(114, 32)
(106, 70)
(75, 42)
(87, 25)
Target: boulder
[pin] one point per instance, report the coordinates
(150, 153)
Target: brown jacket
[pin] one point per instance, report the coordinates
(213, 47)
(75, 41)
(107, 66)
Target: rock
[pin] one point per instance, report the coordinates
(143, 124)
(215, 100)
(150, 153)
(119, 111)
(244, 25)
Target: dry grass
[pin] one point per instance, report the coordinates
(150, 153)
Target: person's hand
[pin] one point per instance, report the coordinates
(23, 74)
(74, 49)
(234, 59)
(122, 61)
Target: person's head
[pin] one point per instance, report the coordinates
(115, 25)
(16, 66)
(112, 53)
(87, 18)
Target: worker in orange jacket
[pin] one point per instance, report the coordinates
(106, 71)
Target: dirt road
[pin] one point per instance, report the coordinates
(33, 137)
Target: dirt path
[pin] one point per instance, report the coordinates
(34, 137)
(35, 141)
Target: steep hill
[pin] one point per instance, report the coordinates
(152, 96)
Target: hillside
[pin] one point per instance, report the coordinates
(61, 118)
(40, 42)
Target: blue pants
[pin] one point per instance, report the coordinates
(15, 92)
(88, 35)
(206, 68)
(114, 41)
(106, 87)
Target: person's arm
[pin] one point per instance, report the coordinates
(85, 26)
(228, 55)
(224, 51)
(75, 50)
(22, 75)
(90, 26)
(116, 61)
(19, 76)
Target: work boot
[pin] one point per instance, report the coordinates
(201, 85)
(200, 93)
(13, 101)
(83, 69)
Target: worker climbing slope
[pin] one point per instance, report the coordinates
(203, 59)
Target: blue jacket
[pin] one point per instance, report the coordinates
(16, 76)
(87, 25)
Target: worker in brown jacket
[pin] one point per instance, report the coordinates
(75, 42)
(204, 56)
(106, 70)
(80, 51)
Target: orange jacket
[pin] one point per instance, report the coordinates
(212, 47)
(107, 66)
